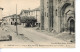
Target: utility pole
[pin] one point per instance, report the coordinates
(16, 21)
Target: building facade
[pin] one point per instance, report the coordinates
(36, 14)
(11, 20)
(7, 20)
(31, 15)
(58, 15)
(15, 20)
(1, 13)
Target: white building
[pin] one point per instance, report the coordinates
(11, 20)
(32, 14)
(1, 13)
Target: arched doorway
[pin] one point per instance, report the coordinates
(72, 25)
(62, 16)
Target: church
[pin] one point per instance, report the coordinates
(58, 15)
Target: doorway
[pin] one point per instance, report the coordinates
(72, 25)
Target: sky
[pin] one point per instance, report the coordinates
(10, 6)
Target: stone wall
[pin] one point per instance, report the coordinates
(56, 14)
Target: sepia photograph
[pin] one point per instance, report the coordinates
(37, 24)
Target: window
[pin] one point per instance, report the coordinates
(56, 12)
(47, 4)
(29, 13)
(73, 3)
(9, 19)
(13, 19)
(47, 14)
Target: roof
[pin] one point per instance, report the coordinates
(11, 16)
(6, 16)
(36, 9)
(25, 11)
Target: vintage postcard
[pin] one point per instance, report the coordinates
(37, 23)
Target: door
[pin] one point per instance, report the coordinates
(72, 26)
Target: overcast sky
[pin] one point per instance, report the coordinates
(10, 5)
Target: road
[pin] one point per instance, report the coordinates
(31, 36)
(34, 36)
